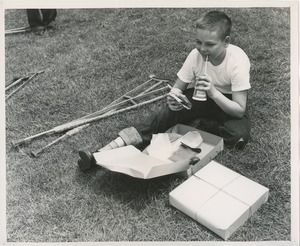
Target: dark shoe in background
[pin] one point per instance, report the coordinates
(38, 30)
(51, 25)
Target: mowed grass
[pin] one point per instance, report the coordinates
(95, 56)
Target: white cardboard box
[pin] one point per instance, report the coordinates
(219, 198)
(131, 161)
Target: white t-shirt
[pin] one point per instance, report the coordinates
(233, 74)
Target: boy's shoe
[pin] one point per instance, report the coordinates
(38, 30)
(240, 144)
(86, 160)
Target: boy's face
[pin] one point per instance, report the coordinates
(209, 43)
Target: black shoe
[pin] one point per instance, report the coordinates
(86, 160)
(240, 144)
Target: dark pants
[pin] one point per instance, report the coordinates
(36, 19)
(229, 128)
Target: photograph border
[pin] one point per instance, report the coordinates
(295, 170)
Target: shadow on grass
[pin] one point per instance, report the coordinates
(127, 190)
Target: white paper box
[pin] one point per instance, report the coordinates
(219, 198)
(131, 161)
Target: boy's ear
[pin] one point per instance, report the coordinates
(227, 41)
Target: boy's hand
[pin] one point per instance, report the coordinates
(178, 101)
(204, 82)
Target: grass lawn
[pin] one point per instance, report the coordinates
(95, 56)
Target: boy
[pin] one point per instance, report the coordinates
(226, 83)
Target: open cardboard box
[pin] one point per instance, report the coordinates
(131, 161)
(219, 198)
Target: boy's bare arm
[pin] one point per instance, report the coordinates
(235, 107)
(179, 84)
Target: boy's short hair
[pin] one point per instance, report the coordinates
(215, 21)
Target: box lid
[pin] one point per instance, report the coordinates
(217, 175)
(248, 192)
(233, 200)
(191, 195)
(223, 214)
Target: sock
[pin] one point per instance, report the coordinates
(118, 142)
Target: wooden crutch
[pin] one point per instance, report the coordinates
(72, 125)
(109, 109)
(25, 83)
(18, 30)
(117, 104)
(15, 83)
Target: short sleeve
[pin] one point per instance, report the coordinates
(186, 73)
(240, 78)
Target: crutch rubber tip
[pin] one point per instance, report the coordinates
(33, 154)
(86, 160)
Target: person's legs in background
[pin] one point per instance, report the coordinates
(49, 16)
(35, 21)
(41, 19)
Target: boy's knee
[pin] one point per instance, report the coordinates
(131, 136)
(236, 133)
